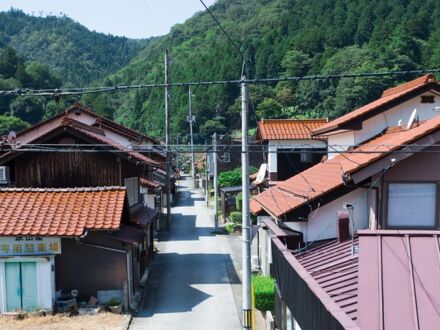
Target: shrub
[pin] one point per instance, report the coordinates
(232, 178)
(235, 217)
(230, 227)
(114, 302)
(264, 292)
(239, 201)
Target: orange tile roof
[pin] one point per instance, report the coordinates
(388, 96)
(287, 129)
(59, 212)
(324, 177)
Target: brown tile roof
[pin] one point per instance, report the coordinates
(324, 177)
(100, 121)
(92, 132)
(143, 216)
(59, 212)
(129, 234)
(150, 183)
(287, 129)
(388, 96)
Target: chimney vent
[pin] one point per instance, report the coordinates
(342, 226)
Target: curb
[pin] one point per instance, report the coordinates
(126, 326)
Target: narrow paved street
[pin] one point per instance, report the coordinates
(191, 286)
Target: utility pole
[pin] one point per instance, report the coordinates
(214, 142)
(206, 175)
(191, 120)
(246, 226)
(167, 143)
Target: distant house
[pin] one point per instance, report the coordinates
(77, 220)
(290, 147)
(385, 187)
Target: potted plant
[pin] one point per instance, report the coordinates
(115, 305)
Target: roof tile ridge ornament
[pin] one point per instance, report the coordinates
(423, 80)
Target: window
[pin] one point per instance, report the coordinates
(132, 185)
(411, 205)
(306, 157)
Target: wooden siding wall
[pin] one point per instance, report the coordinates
(89, 269)
(60, 170)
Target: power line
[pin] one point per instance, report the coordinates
(224, 31)
(119, 88)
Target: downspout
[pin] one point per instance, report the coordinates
(127, 253)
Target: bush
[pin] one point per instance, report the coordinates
(264, 292)
(232, 178)
(239, 201)
(235, 217)
(230, 227)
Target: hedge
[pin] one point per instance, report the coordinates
(264, 292)
(235, 217)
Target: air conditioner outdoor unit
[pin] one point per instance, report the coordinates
(4, 175)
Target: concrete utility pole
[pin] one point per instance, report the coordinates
(191, 120)
(246, 226)
(214, 142)
(206, 176)
(167, 143)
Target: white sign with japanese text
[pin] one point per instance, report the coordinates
(25, 246)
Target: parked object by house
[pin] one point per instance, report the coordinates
(290, 145)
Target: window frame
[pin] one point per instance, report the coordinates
(436, 206)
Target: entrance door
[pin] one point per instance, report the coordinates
(21, 285)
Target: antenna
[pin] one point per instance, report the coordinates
(411, 119)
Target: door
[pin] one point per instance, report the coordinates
(21, 285)
(13, 286)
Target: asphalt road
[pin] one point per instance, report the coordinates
(191, 286)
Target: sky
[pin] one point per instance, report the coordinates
(130, 18)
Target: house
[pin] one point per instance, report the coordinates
(379, 175)
(289, 145)
(80, 201)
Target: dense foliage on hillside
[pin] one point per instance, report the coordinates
(77, 55)
(279, 37)
(16, 113)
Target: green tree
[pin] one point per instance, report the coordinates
(11, 123)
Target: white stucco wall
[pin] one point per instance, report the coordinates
(339, 142)
(321, 223)
(375, 125)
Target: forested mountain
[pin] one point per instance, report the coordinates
(279, 38)
(75, 54)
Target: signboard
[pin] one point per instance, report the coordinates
(28, 246)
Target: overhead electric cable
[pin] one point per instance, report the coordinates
(118, 88)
